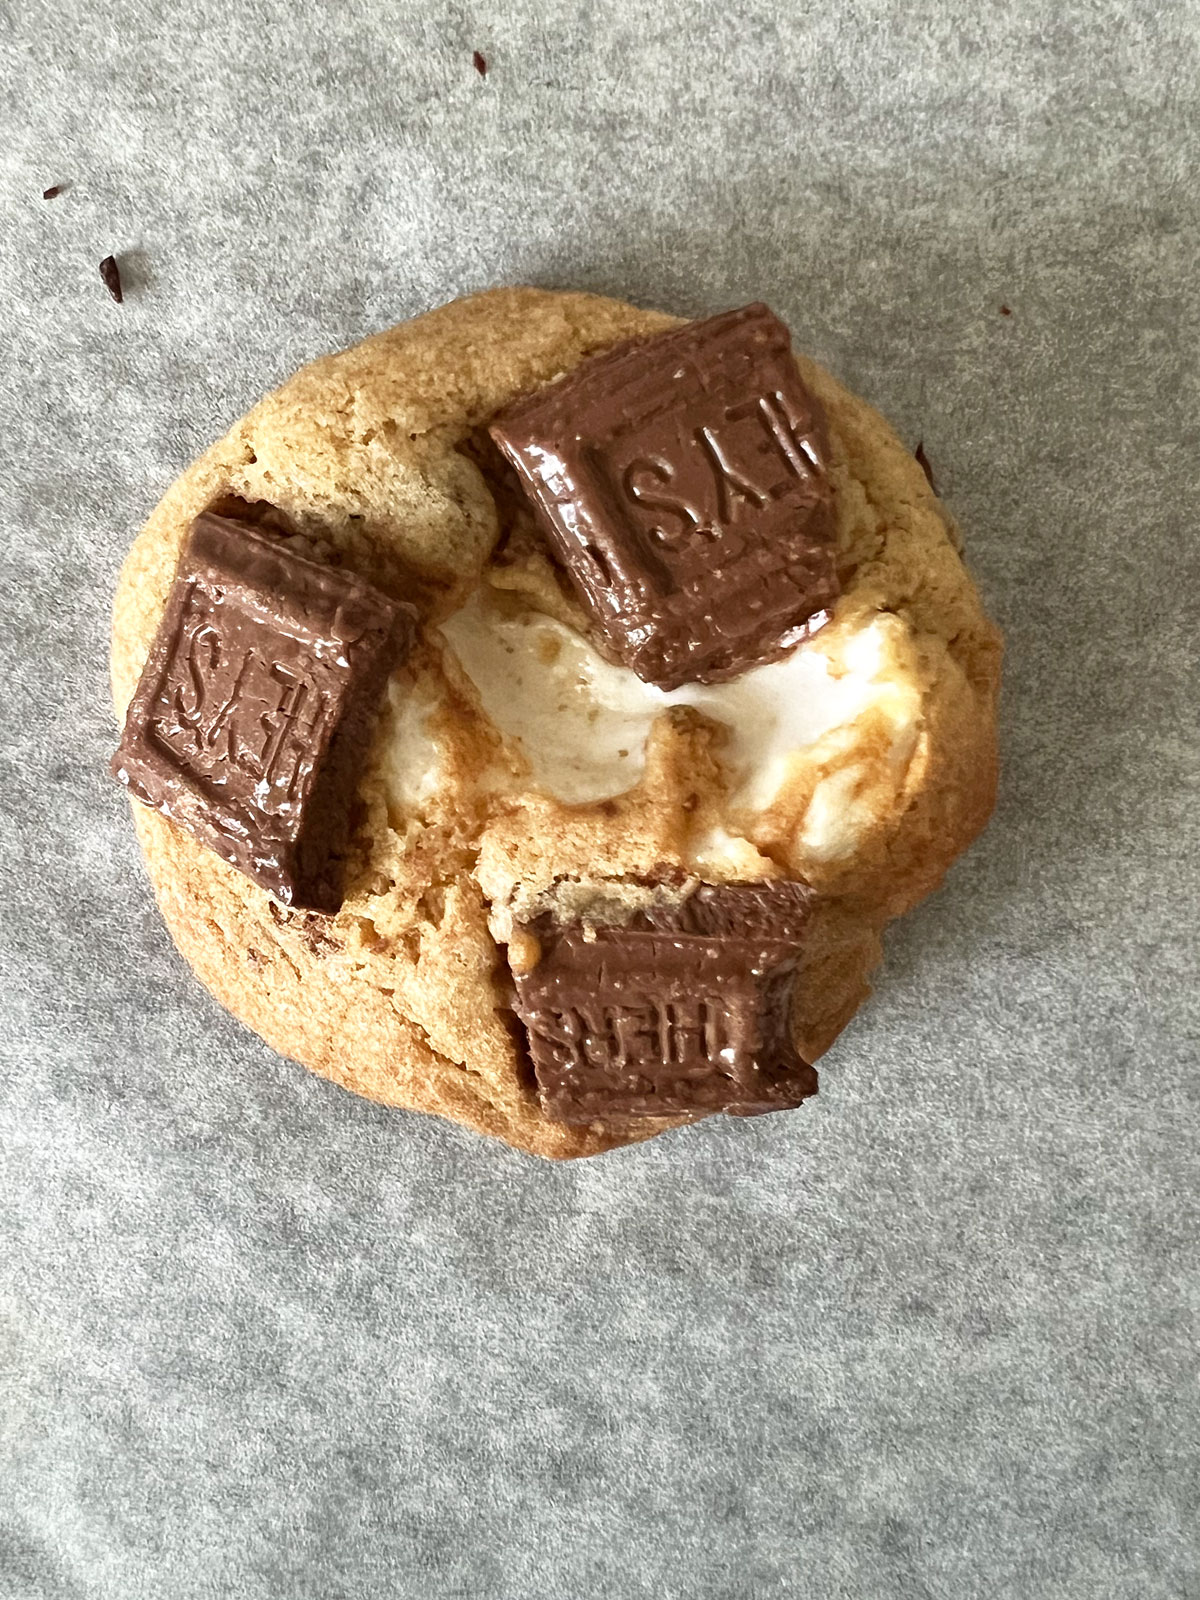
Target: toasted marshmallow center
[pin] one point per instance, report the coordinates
(581, 724)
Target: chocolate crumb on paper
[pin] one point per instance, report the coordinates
(923, 463)
(52, 192)
(111, 275)
(480, 62)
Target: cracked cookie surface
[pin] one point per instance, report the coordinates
(515, 769)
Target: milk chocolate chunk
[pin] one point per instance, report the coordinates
(252, 718)
(679, 1011)
(683, 483)
(110, 274)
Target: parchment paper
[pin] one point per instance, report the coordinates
(933, 1336)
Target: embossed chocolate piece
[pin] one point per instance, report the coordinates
(679, 1011)
(254, 710)
(683, 483)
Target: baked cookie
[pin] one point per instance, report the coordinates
(586, 749)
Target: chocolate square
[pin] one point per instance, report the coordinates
(677, 1012)
(251, 721)
(683, 482)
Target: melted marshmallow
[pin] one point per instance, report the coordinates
(581, 723)
(413, 763)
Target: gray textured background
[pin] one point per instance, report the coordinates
(933, 1336)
